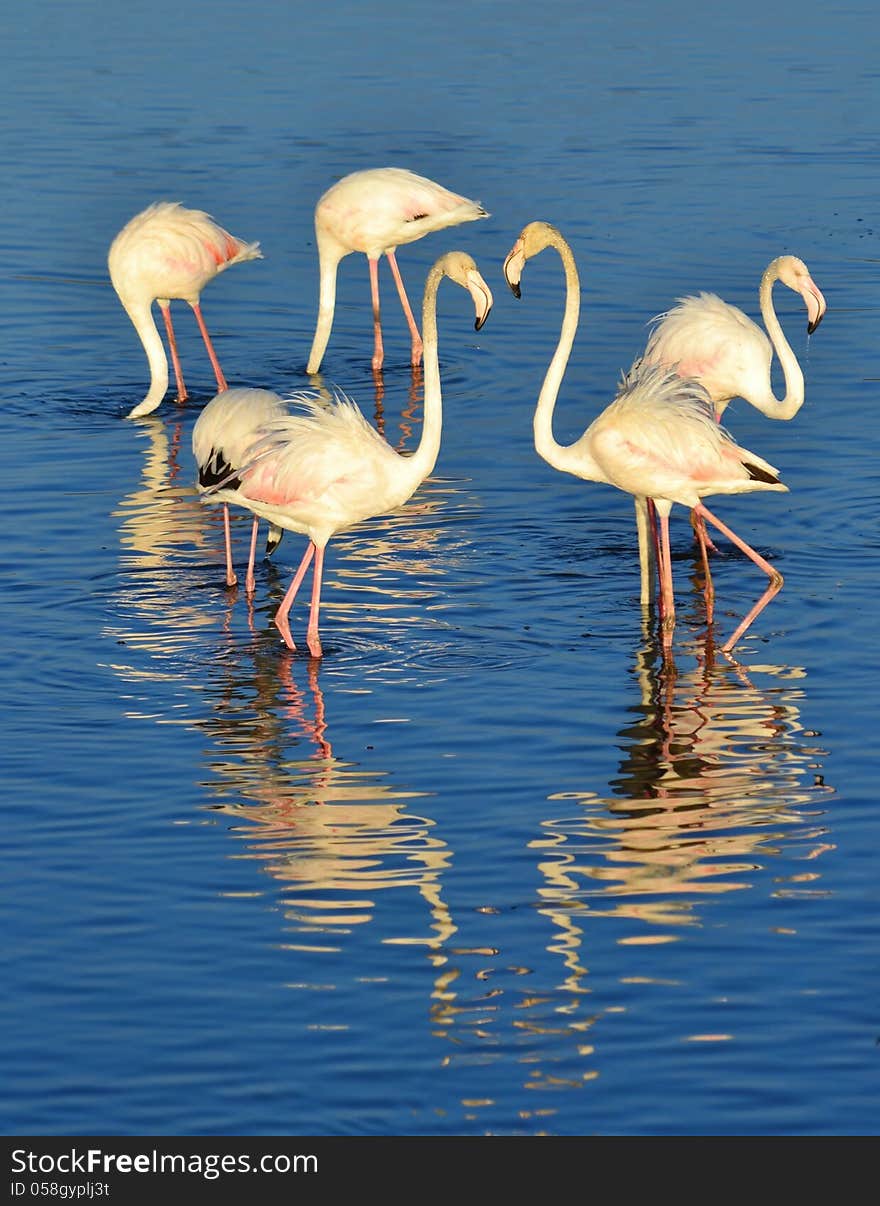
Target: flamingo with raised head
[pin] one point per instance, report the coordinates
(374, 212)
(705, 337)
(658, 439)
(221, 437)
(325, 468)
(167, 252)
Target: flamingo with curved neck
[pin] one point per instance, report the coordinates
(167, 252)
(705, 337)
(325, 468)
(657, 440)
(374, 212)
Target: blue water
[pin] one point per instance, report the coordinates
(492, 866)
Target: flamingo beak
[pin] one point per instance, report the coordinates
(513, 266)
(482, 295)
(816, 307)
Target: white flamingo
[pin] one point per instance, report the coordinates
(168, 252)
(707, 338)
(658, 439)
(374, 212)
(326, 468)
(221, 437)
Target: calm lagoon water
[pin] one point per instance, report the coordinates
(491, 866)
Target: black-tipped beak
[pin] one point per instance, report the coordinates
(515, 254)
(816, 306)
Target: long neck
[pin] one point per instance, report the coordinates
(424, 458)
(545, 444)
(329, 257)
(142, 317)
(767, 402)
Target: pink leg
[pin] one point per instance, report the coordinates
(215, 363)
(699, 526)
(655, 533)
(287, 602)
(378, 350)
(250, 581)
(312, 639)
(404, 301)
(175, 359)
(701, 534)
(231, 579)
(320, 728)
(667, 600)
(773, 574)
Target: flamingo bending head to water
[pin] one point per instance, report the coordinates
(658, 438)
(221, 438)
(325, 468)
(375, 211)
(168, 252)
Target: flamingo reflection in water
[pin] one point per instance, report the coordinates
(717, 781)
(718, 776)
(160, 523)
(332, 834)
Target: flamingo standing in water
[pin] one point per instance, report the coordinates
(326, 468)
(222, 435)
(374, 211)
(658, 439)
(707, 338)
(168, 252)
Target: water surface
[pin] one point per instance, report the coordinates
(493, 865)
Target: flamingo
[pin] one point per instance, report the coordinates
(374, 211)
(221, 438)
(325, 468)
(168, 252)
(658, 438)
(707, 338)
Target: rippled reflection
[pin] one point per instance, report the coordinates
(332, 833)
(716, 774)
(160, 524)
(717, 778)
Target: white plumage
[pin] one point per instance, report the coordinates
(374, 212)
(221, 439)
(324, 468)
(657, 440)
(166, 252)
(709, 339)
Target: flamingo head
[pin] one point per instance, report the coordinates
(794, 273)
(461, 268)
(533, 238)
